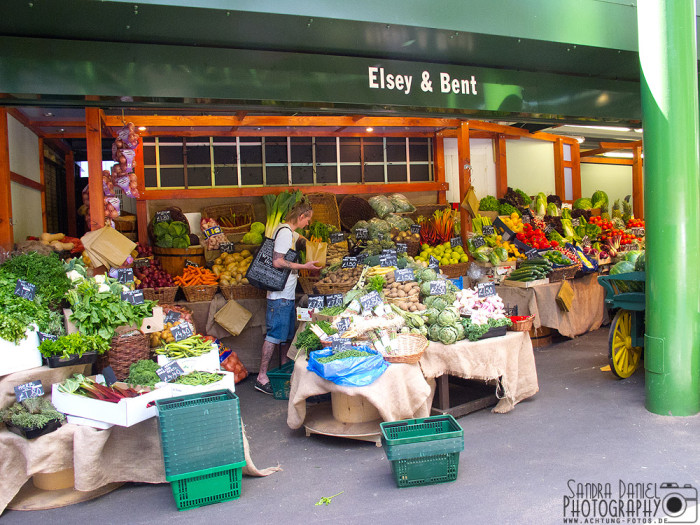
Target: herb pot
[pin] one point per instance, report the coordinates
(31, 433)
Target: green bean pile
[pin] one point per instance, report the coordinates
(343, 355)
(333, 310)
(199, 378)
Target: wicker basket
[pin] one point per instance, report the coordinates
(127, 346)
(162, 295)
(523, 325)
(307, 283)
(242, 208)
(241, 291)
(204, 292)
(125, 223)
(410, 349)
(325, 208)
(454, 270)
(353, 209)
(565, 272)
(331, 288)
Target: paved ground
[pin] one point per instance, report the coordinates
(583, 425)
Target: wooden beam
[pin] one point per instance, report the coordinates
(592, 152)
(606, 160)
(620, 145)
(464, 171)
(576, 169)
(19, 116)
(93, 135)
(267, 133)
(70, 195)
(637, 183)
(42, 180)
(439, 165)
(57, 123)
(510, 130)
(142, 221)
(501, 165)
(6, 233)
(25, 181)
(559, 187)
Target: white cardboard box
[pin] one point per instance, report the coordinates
(77, 420)
(226, 383)
(209, 361)
(149, 325)
(126, 413)
(22, 356)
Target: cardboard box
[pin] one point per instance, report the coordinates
(565, 296)
(22, 356)
(496, 274)
(77, 420)
(208, 362)
(226, 383)
(525, 284)
(233, 317)
(149, 324)
(126, 413)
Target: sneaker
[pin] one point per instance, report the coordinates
(265, 389)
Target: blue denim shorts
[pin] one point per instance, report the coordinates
(280, 319)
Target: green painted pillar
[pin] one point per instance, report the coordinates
(668, 59)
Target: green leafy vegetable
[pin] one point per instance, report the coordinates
(31, 413)
(143, 373)
(507, 209)
(489, 203)
(344, 355)
(73, 344)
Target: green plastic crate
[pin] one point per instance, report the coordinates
(200, 431)
(281, 380)
(423, 451)
(207, 486)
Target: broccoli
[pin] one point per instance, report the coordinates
(143, 373)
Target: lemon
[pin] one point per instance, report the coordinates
(424, 246)
(464, 258)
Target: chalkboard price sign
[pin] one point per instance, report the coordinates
(349, 262)
(343, 325)
(478, 241)
(109, 375)
(125, 275)
(548, 228)
(341, 344)
(415, 228)
(388, 259)
(142, 262)
(43, 337)
(181, 331)
(638, 232)
(227, 247)
(162, 216)
(380, 236)
(532, 254)
(456, 241)
(29, 390)
(370, 300)
(190, 263)
(575, 222)
(566, 205)
(438, 287)
(405, 274)
(526, 219)
(401, 247)
(170, 371)
(172, 316)
(361, 234)
(433, 263)
(317, 302)
(337, 237)
(335, 299)
(25, 289)
(210, 232)
(486, 289)
(134, 297)
(488, 230)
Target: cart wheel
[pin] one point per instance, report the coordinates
(623, 357)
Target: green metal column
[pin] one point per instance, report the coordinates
(668, 58)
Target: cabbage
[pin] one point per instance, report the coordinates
(165, 241)
(428, 275)
(252, 238)
(582, 204)
(178, 229)
(448, 316)
(160, 228)
(257, 227)
(181, 242)
(599, 199)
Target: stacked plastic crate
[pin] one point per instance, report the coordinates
(202, 442)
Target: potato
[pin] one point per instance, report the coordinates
(412, 308)
(401, 293)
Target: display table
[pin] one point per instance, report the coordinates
(587, 311)
(509, 358)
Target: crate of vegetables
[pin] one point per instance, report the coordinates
(198, 284)
(156, 283)
(199, 381)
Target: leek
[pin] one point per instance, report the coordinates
(278, 207)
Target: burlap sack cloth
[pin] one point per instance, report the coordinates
(401, 392)
(509, 357)
(587, 310)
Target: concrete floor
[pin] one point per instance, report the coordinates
(583, 425)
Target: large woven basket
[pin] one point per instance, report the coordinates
(521, 325)
(353, 209)
(331, 288)
(410, 349)
(241, 291)
(562, 273)
(162, 295)
(127, 346)
(325, 208)
(243, 208)
(204, 292)
(307, 283)
(125, 223)
(454, 270)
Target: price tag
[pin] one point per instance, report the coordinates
(527, 213)
(341, 344)
(526, 219)
(43, 337)
(337, 237)
(343, 325)
(548, 228)
(438, 287)
(575, 222)
(303, 314)
(335, 299)
(566, 205)
(227, 247)
(486, 289)
(433, 263)
(478, 241)
(125, 275)
(181, 331)
(380, 236)
(488, 230)
(172, 316)
(210, 232)
(404, 275)
(370, 300)
(29, 390)
(134, 297)
(316, 302)
(388, 259)
(109, 375)
(415, 228)
(456, 241)
(638, 232)
(401, 247)
(361, 234)
(25, 289)
(532, 254)
(349, 262)
(142, 262)
(190, 263)
(361, 258)
(170, 372)
(162, 216)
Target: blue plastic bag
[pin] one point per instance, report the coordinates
(351, 371)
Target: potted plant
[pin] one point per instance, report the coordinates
(73, 349)
(32, 417)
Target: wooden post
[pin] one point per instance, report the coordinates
(93, 136)
(6, 233)
(559, 186)
(70, 195)
(42, 181)
(637, 182)
(465, 175)
(440, 164)
(501, 166)
(576, 169)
